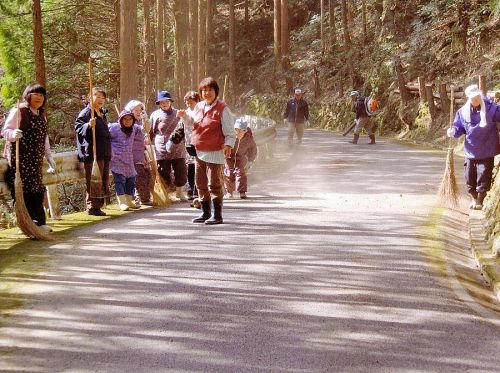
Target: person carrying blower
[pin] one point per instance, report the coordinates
(362, 118)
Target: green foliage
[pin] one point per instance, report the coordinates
(16, 45)
(269, 106)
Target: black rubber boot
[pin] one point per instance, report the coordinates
(355, 139)
(372, 140)
(479, 201)
(205, 212)
(217, 216)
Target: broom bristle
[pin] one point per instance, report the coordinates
(448, 190)
(160, 193)
(96, 182)
(23, 218)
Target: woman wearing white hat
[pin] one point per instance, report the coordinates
(476, 120)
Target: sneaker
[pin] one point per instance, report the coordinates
(243, 195)
(46, 228)
(96, 212)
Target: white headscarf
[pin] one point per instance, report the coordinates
(473, 91)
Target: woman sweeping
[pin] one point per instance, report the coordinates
(28, 125)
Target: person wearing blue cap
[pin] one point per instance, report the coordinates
(243, 154)
(169, 155)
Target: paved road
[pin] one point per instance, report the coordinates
(332, 265)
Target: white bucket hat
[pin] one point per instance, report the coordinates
(474, 91)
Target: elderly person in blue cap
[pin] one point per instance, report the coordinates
(476, 120)
(169, 155)
(362, 118)
(243, 154)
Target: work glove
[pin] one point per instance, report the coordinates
(52, 164)
(248, 166)
(169, 145)
(146, 124)
(451, 132)
(307, 124)
(17, 134)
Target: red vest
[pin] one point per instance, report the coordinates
(207, 128)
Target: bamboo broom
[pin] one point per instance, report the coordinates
(159, 190)
(96, 189)
(23, 218)
(448, 190)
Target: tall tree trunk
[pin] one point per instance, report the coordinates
(181, 16)
(38, 43)
(247, 15)
(116, 37)
(209, 36)
(232, 52)
(345, 26)
(365, 30)
(332, 28)
(149, 86)
(128, 50)
(160, 45)
(277, 33)
(322, 23)
(201, 39)
(285, 46)
(193, 31)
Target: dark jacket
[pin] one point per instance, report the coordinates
(360, 107)
(296, 111)
(84, 140)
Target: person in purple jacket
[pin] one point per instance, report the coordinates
(122, 159)
(476, 120)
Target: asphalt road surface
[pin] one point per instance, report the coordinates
(333, 264)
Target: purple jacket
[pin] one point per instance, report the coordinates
(246, 151)
(139, 147)
(480, 142)
(163, 123)
(122, 159)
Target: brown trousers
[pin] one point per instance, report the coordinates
(295, 127)
(209, 180)
(97, 203)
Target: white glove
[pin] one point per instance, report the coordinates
(168, 146)
(451, 132)
(52, 168)
(17, 134)
(308, 124)
(285, 122)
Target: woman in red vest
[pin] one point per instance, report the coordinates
(213, 137)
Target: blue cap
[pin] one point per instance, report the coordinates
(241, 124)
(162, 96)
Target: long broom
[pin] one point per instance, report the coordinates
(448, 190)
(159, 191)
(23, 218)
(96, 189)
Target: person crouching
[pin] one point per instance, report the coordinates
(242, 155)
(122, 160)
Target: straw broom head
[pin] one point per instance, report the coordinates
(159, 190)
(448, 190)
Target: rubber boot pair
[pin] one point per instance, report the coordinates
(179, 193)
(206, 213)
(126, 202)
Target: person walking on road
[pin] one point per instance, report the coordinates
(476, 120)
(296, 113)
(213, 137)
(362, 119)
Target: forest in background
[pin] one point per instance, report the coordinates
(263, 47)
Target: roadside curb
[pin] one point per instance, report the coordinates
(482, 252)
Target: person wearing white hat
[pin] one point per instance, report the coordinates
(296, 113)
(476, 120)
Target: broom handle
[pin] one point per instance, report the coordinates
(92, 109)
(18, 172)
(452, 103)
